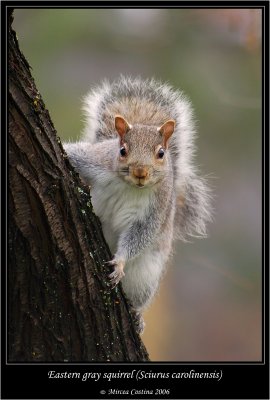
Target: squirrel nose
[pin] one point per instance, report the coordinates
(140, 172)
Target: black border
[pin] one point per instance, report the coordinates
(245, 380)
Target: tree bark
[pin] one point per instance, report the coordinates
(61, 307)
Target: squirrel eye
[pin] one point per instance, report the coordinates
(161, 153)
(123, 151)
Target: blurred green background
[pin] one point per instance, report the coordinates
(209, 304)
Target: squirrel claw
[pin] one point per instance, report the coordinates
(117, 274)
(139, 322)
(111, 262)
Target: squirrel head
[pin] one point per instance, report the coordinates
(143, 158)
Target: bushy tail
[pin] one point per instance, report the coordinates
(194, 209)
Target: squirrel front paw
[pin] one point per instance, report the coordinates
(118, 273)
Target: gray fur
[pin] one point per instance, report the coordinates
(166, 103)
(140, 224)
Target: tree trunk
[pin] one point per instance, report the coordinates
(61, 307)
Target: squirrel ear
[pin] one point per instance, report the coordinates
(121, 125)
(167, 130)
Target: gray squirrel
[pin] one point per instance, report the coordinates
(136, 153)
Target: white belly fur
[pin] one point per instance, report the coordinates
(118, 205)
